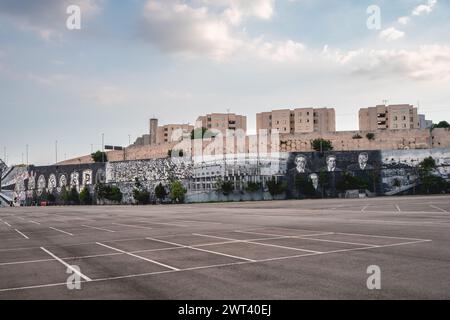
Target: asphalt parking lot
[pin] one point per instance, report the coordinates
(314, 249)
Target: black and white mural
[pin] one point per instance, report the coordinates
(309, 173)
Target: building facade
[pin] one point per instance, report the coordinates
(301, 120)
(163, 134)
(223, 122)
(389, 117)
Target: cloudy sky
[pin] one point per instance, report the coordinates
(176, 59)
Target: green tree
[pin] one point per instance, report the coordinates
(322, 145)
(74, 197)
(275, 187)
(99, 156)
(140, 194)
(65, 195)
(106, 192)
(350, 182)
(202, 133)
(85, 197)
(253, 187)
(226, 187)
(177, 192)
(370, 136)
(442, 124)
(160, 192)
(324, 181)
(304, 186)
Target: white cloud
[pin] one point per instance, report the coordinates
(391, 34)
(424, 8)
(404, 20)
(209, 28)
(427, 62)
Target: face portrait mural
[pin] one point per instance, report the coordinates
(41, 185)
(363, 158)
(75, 180)
(100, 177)
(32, 181)
(300, 163)
(332, 164)
(314, 180)
(87, 177)
(52, 183)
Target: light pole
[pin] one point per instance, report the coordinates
(26, 147)
(103, 147)
(56, 151)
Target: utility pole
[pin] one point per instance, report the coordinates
(56, 151)
(26, 147)
(103, 147)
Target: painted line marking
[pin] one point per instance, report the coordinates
(280, 235)
(96, 228)
(21, 218)
(364, 208)
(208, 267)
(204, 250)
(7, 223)
(167, 224)
(436, 207)
(62, 231)
(67, 265)
(139, 257)
(31, 221)
(130, 225)
(398, 208)
(262, 244)
(21, 234)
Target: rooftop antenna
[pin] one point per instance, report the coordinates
(385, 102)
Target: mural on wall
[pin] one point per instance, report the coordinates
(396, 172)
(400, 173)
(329, 167)
(87, 178)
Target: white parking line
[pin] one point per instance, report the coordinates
(398, 208)
(364, 209)
(67, 265)
(131, 225)
(280, 235)
(7, 223)
(436, 207)
(21, 234)
(31, 221)
(62, 231)
(165, 224)
(96, 228)
(261, 244)
(139, 257)
(21, 218)
(198, 249)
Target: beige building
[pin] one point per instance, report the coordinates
(301, 120)
(223, 122)
(163, 134)
(391, 117)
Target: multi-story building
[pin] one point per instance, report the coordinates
(391, 117)
(223, 122)
(424, 123)
(163, 134)
(301, 120)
